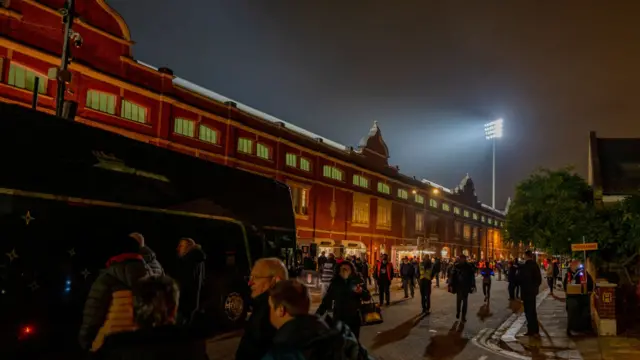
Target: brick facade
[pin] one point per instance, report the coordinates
(32, 39)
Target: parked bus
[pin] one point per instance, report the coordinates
(66, 189)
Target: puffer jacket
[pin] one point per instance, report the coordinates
(119, 317)
(153, 265)
(122, 272)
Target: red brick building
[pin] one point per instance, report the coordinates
(348, 200)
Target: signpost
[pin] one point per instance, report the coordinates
(584, 247)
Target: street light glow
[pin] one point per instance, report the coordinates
(493, 130)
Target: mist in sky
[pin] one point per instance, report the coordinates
(430, 72)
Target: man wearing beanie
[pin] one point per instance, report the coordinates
(109, 304)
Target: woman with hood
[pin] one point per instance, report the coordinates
(345, 294)
(190, 274)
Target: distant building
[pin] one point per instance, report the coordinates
(614, 168)
(347, 200)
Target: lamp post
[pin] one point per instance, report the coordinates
(493, 131)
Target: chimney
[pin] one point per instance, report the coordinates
(319, 140)
(165, 70)
(232, 104)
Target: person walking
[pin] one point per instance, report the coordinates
(486, 274)
(530, 278)
(190, 274)
(512, 278)
(408, 274)
(426, 275)
(436, 271)
(383, 276)
(550, 276)
(463, 282)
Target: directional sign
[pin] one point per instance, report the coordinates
(584, 247)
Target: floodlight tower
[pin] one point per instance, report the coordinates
(493, 131)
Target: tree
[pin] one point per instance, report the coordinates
(550, 210)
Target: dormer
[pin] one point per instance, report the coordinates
(373, 146)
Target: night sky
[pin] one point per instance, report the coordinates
(430, 72)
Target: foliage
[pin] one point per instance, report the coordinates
(550, 208)
(554, 208)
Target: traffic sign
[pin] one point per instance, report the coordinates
(584, 247)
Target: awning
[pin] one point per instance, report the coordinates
(350, 244)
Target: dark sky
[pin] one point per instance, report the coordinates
(431, 72)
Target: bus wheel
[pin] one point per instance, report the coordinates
(235, 308)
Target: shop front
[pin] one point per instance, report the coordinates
(445, 253)
(328, 246)
(400, 252)
(354, 248)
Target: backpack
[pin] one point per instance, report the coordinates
(338, 344)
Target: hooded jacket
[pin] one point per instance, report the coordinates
(153, 265)
(116, 282)
(190, 274)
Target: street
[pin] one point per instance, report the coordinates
(404, 334)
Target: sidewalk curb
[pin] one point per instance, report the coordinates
(489, 339)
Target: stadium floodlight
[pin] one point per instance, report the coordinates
(493, 131)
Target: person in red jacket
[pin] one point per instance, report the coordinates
(383, 275)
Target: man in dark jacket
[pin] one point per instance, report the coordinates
(153, 265)
(530, 278)
(258, 332)
(190, 274)
(304, 336)
(408, 274)
(463, 281)
(383, 274)
(123, 271)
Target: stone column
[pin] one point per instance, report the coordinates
(604, 304)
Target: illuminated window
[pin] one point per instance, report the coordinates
(361, 181)
(403, 194)
(419, 198)
(467, 231)
(482, 218)
(263, 151)
(433, 203)
(475, 216)
(360, 213)
(446, 207)
(184, 127)
(292, 160)
(134, 112)
(305, 164)
(100, 101)
(24, 78)
(383, 218)
(465, 213)
(384, 188)
(245, 145)
(208, 134)
(475, 233)
(332, 172)
(489, 221)
(300, 200)
(457, 227)
(419, 221)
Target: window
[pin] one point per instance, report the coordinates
(184, 127)
(489, 221)
(332, 172)
(137, 113)
(292, 160)
(457, 226)
(466, 213)
(360, 209)
(305, 164)
(475, 233)
(383, 219)
(434, 226)
(360, 180)
(100, 101)
(482, 218)
(467, 231)
(263, 151)
(456, 210)
(403, 194)
(300, 200)
(208, 134)
(446, 207)
(23, 78)
(475, 216)
(245, 145)
(501, 224)
(420, 221)
(419, 198)
(433, 203)
(384, 188)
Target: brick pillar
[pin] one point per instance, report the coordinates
(605, 308)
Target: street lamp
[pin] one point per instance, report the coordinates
(493, 131)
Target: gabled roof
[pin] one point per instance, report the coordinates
(615, 165)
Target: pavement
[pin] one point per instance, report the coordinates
(507, 341)
(405, 334)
